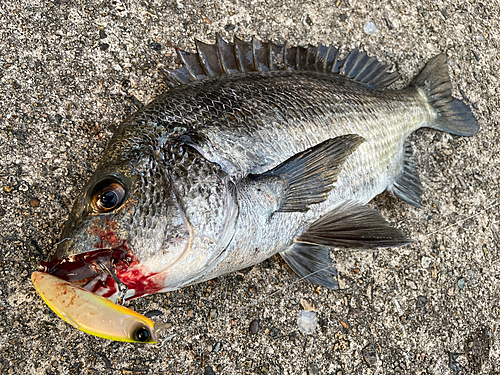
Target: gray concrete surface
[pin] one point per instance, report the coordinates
(431, 307)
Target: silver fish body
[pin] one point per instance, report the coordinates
(224, 171)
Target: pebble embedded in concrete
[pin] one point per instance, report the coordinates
(307, 321)
(426, 262)
(370, 28)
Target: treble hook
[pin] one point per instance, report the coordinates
(122, 288)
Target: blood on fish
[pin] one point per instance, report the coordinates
(136, 277)
(83, 268)
(106, 234)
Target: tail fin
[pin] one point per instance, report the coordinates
(453, 115)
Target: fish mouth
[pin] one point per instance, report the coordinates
(113, 273)
(95, 271)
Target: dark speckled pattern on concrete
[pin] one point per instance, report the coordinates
(431, 307)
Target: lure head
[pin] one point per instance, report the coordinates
(91, 313)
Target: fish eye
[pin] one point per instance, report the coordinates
(107, 196)
(142, 334)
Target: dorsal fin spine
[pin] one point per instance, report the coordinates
(303, 58)
(325, 61)
(331, 58)
(186, 65)
(202, 59)
(285, 49)
(245, 55)
(237, 54)
(256, 65)
(320, 58)
(336, 63)
(310, 52)
(221, 55)
(270, 55)
(177, 76)
(297, 58)
(208, 58)
(288, 52)
(317, 58)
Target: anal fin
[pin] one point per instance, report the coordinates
(313, 263)
(309, 175)
(353, 225)
(407, 185)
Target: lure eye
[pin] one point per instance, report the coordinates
(107, 195)
(142, 334)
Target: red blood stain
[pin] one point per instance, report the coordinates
(82, 268)
(105, 232)
(136, 276)
(113, 252)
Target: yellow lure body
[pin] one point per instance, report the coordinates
(92, 313)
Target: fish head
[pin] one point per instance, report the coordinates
(121, 222)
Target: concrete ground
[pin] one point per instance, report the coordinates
(432, 307)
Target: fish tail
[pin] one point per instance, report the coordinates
(453, 115)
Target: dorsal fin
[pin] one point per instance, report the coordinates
(223, 58)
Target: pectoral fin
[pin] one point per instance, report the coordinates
(313, 263)
(353, 225)
(310, 175)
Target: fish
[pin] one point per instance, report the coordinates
(256, 149)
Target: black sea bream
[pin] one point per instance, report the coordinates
(258, 149)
